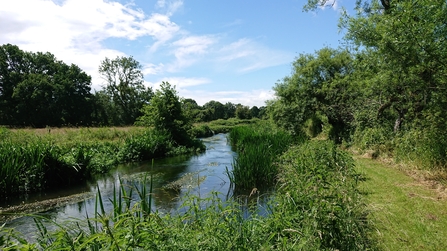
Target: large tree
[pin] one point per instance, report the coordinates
(165, 114)
(125, 88)
(38, 90)
(320, 85)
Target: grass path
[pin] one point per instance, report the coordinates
(406, 214)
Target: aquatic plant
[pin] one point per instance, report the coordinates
(258, 148)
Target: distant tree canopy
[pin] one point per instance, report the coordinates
(38, 90)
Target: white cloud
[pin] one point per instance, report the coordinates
(247, 55)
(169, 6)
(189, 49)
(249, 98)
(73, 30)
(329, 3)
(182, 82)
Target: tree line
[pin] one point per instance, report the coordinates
(385, 89)
(37, 90)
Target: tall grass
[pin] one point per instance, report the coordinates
(321, 204)
(37, 160)
(316, 207)
(423, 149)
(258, 147)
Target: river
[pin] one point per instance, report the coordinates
(198, 175)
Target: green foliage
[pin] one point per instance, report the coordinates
(321, 204)
(424, 149)
(319, 84)
(316, 207)
(34, 162)
(219, 126)
(164, 113)
(124, 95)
(38, 90)
(257, 147)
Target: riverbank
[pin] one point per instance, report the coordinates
(406, 213)
(37, 160)
(316, 206)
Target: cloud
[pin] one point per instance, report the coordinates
(329, 3)
(189, 50)
(74, 30)
(169, 6)
(246, 55)
(249, 98)
(182, 82)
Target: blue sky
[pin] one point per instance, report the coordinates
(228, 51)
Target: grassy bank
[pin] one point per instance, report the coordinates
(316, 207)
(406, 214)
(38, 159)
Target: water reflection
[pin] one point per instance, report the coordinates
(197, 175)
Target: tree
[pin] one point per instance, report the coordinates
(165, 114)
(191, 109)
(319, 86)
(217, 110)
(254, 112)
(410, 48)
(243, 112)
(229, 110)
(38, 90)
(124, 86)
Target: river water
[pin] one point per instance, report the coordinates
(198, 175)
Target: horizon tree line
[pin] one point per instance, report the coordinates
(37, 90)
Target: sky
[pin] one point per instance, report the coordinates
(223, 50)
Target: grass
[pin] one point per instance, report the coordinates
(39, 159)
(258, 147)
(208, 129)
(316, 207)
(406, 214)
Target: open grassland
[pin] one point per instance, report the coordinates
(406, 213)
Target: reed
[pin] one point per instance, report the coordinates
(316, 207)
(34, 160)
(258, 148)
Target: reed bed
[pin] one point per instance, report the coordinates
(316, 207)
(34, 160)
(258, 147)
